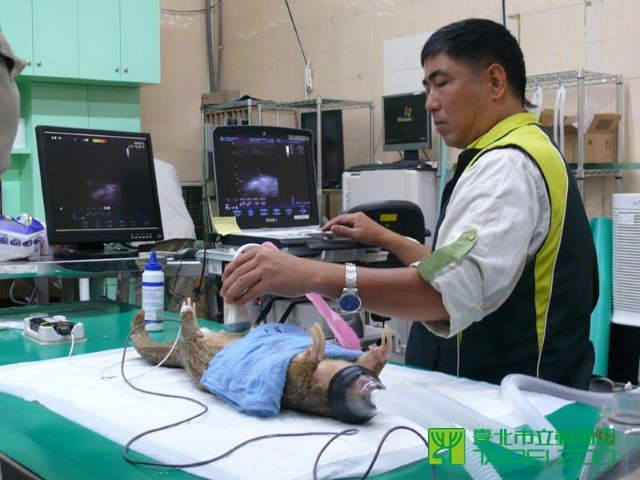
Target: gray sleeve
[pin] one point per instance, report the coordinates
(9, 114)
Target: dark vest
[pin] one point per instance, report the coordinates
(542, 329)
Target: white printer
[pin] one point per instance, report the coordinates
(404, 180)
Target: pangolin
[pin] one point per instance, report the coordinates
(328, 387)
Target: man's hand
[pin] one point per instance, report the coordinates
(264, 270)
(359, 227)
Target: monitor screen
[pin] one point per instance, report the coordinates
(407, 124)
(98, 186)
(332, 144)
(264, 176)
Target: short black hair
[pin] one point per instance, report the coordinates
(480, 42)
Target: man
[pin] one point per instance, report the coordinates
(10, 67)
(512, 279)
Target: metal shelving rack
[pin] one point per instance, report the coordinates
(581, 79)
(320, 104)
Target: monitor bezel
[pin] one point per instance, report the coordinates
(107, 235)
(393, 147)
(253, 130)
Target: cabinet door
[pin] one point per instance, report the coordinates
(114, 108)
(99, 39)
(15, 23)
(55, 38)
(140, 41)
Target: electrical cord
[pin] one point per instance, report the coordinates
(295, 29)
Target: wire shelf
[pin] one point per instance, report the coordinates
(570, 78)
(312, 104)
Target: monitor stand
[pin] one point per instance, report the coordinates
(95, 251)
(411, 155)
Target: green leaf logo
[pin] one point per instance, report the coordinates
(446, 446)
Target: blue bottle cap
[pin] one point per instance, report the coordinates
(153, 263)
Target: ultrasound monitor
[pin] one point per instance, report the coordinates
(407, 124)
(264, 176)
(98, 187)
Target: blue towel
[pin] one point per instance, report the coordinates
(250, 374)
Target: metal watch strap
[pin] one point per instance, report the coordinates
(350, 279)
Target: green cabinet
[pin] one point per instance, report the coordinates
(16, 25)
(119, 40)
(55, 38)
(101, 40)
(140, 40)
(63, 105)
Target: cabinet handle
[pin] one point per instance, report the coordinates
(28, 63)
(38, 64)
(117, 69)
(126, 70)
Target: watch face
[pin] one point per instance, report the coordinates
(349, 302)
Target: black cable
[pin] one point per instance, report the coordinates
(286, 2)
(265, 311)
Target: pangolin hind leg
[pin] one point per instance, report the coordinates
(377, 356)
(200, 347)
(152, 351)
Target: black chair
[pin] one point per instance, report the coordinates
(401, 216)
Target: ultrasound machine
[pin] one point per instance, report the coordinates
(99, 191)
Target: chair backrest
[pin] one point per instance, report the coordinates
(400, 216)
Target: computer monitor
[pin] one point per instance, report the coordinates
(332, 144)
(264, 176)
(407, 124)
(98, 187)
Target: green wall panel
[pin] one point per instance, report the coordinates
(114, 108)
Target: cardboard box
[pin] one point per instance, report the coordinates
(220, 97)
(600, 139)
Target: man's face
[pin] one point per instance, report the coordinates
(457, 95)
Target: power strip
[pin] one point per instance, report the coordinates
(52, 329)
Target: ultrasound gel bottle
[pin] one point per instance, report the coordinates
(153, 294)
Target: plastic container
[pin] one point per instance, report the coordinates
(153, 294)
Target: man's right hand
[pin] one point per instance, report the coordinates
(360, 228)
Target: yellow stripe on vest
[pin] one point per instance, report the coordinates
(521, 130)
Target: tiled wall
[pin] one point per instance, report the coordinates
(346, 41)
(171, 110)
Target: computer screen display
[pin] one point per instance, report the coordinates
(98, 186)
(332, 144)
(264, 176)
(407, 125)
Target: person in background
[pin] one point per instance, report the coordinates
(512, 279)
(10, 67)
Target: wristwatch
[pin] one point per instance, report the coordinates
(349, 301)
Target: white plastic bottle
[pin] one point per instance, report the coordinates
(153, 294)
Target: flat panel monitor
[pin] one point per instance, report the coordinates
(332, 144)
(98, 187)
(407, 124)
(264, 176)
